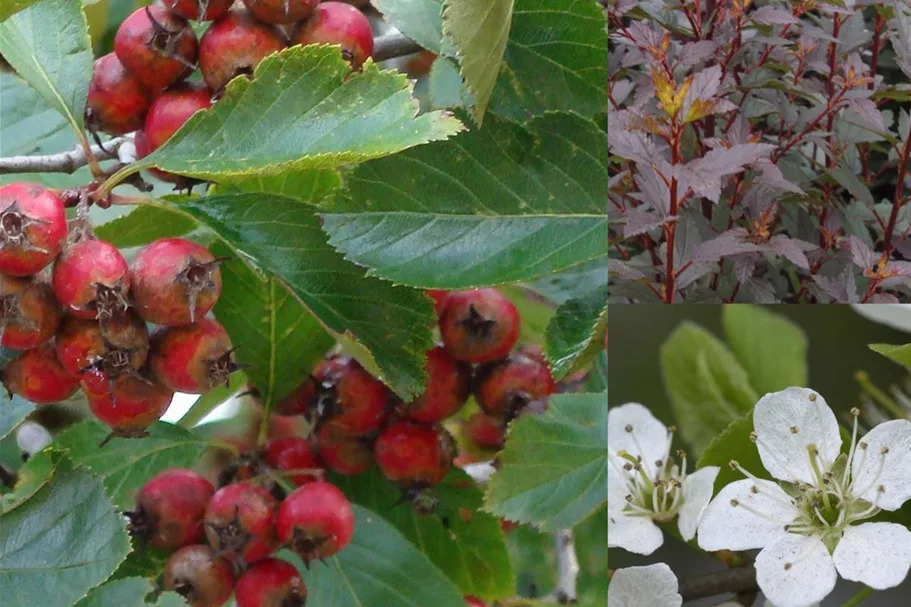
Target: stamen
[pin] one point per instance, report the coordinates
(847, 475)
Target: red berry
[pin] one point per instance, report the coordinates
(143, 149)
(117, 348)
(200, 576)
(38, 377)
(171, 111)
(413, 455)
(170, 508)
(315, 521)
(192, 9)
(448, 386)
(156, 46)
(270, 583)
(293, 454)
(439, 299)
(234, 45)
(471, 601)
(175, 281)
(91, 279)
(240, 522)
(341, 24)
(281, 11)
(485, 432)
(504, 387)
(32, 228)
(128, 405)
(479, 326)
(29, 312)
(192, 358)
(343, 453)
(342, 392)
(117, 102)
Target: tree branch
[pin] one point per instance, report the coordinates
(64, 162)
(567, 569)
(733, 580)
(389, 46)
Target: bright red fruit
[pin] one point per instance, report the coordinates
(342, 392)
(29, 312)
(38, 377)
(270, 583)
(128, 405)
(485, 432)
(315, 521)
(119, 347)
(156, 46)
(479, 326)
(341, 24)
(117, 102)
(439, 299)
(170, 509)
(192, 358)
(199, 575)
(294, 454)
(170, 111)
(91, 279)
(32, 228)
(192, 9)
(175, 281)
(234, 45)
(343, 453)
(471, 601)
(240, 522)
(281, 11)
(413, 455)
(504, 387)
(448, 386)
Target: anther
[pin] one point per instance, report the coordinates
(735, 503)
(629, 427)
(794, 430)
(812, 397)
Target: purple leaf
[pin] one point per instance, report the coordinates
(731, 242)
(861, 254)
(621, 269)
(654, 189)
(696, 52)
(639, 221)
(773, 15)
(869, 114)
(635, 146)
(791, 249)
(772, 177)
(704, 174)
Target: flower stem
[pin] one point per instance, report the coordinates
(858, 598)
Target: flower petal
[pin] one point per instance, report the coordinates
(876, 554)
(786, 424)
(651, 586)
(633, 533)
(795, 571)
(758, 519)
(873, 469)
(633, 428)
(698, 488)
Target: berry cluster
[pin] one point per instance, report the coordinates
(357, 421)
(142, 85)
(244, 525)
(80, 312)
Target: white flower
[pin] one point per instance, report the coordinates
(897, 316)
(652, 586)
(807, 530)
(646, 486)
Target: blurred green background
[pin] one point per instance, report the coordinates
(838, 338)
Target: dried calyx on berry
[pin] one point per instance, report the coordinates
(193, 358)
(416, 457)
(341, 24)
(505, 388)
(315, 521)
(32, 228)
(29, 312)
(240, 522)
(199, 575)
(479, 326)
(170, 508)
(91, 279)
(156, 46)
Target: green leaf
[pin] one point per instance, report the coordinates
(478, 29)
(49, 47)
(574, 282)
(771, 348)
(534, 311)
(597, 378)
(125, 465)
(576, 332)
(378, 568)
(209, 401)
(554, 466)
(302, 109)
(501, 204)
(11, 7)
(707, 387)
(734, 444)
(309, 185)
(12, 410)
(143, 561)
(897, 353)
(32, 476)
(67, 538)
(128, 592)
(469, 547)
(285, 239)
(420, 20)
(143, 225)
(445, 85)
(277, 337)
(554, 60)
